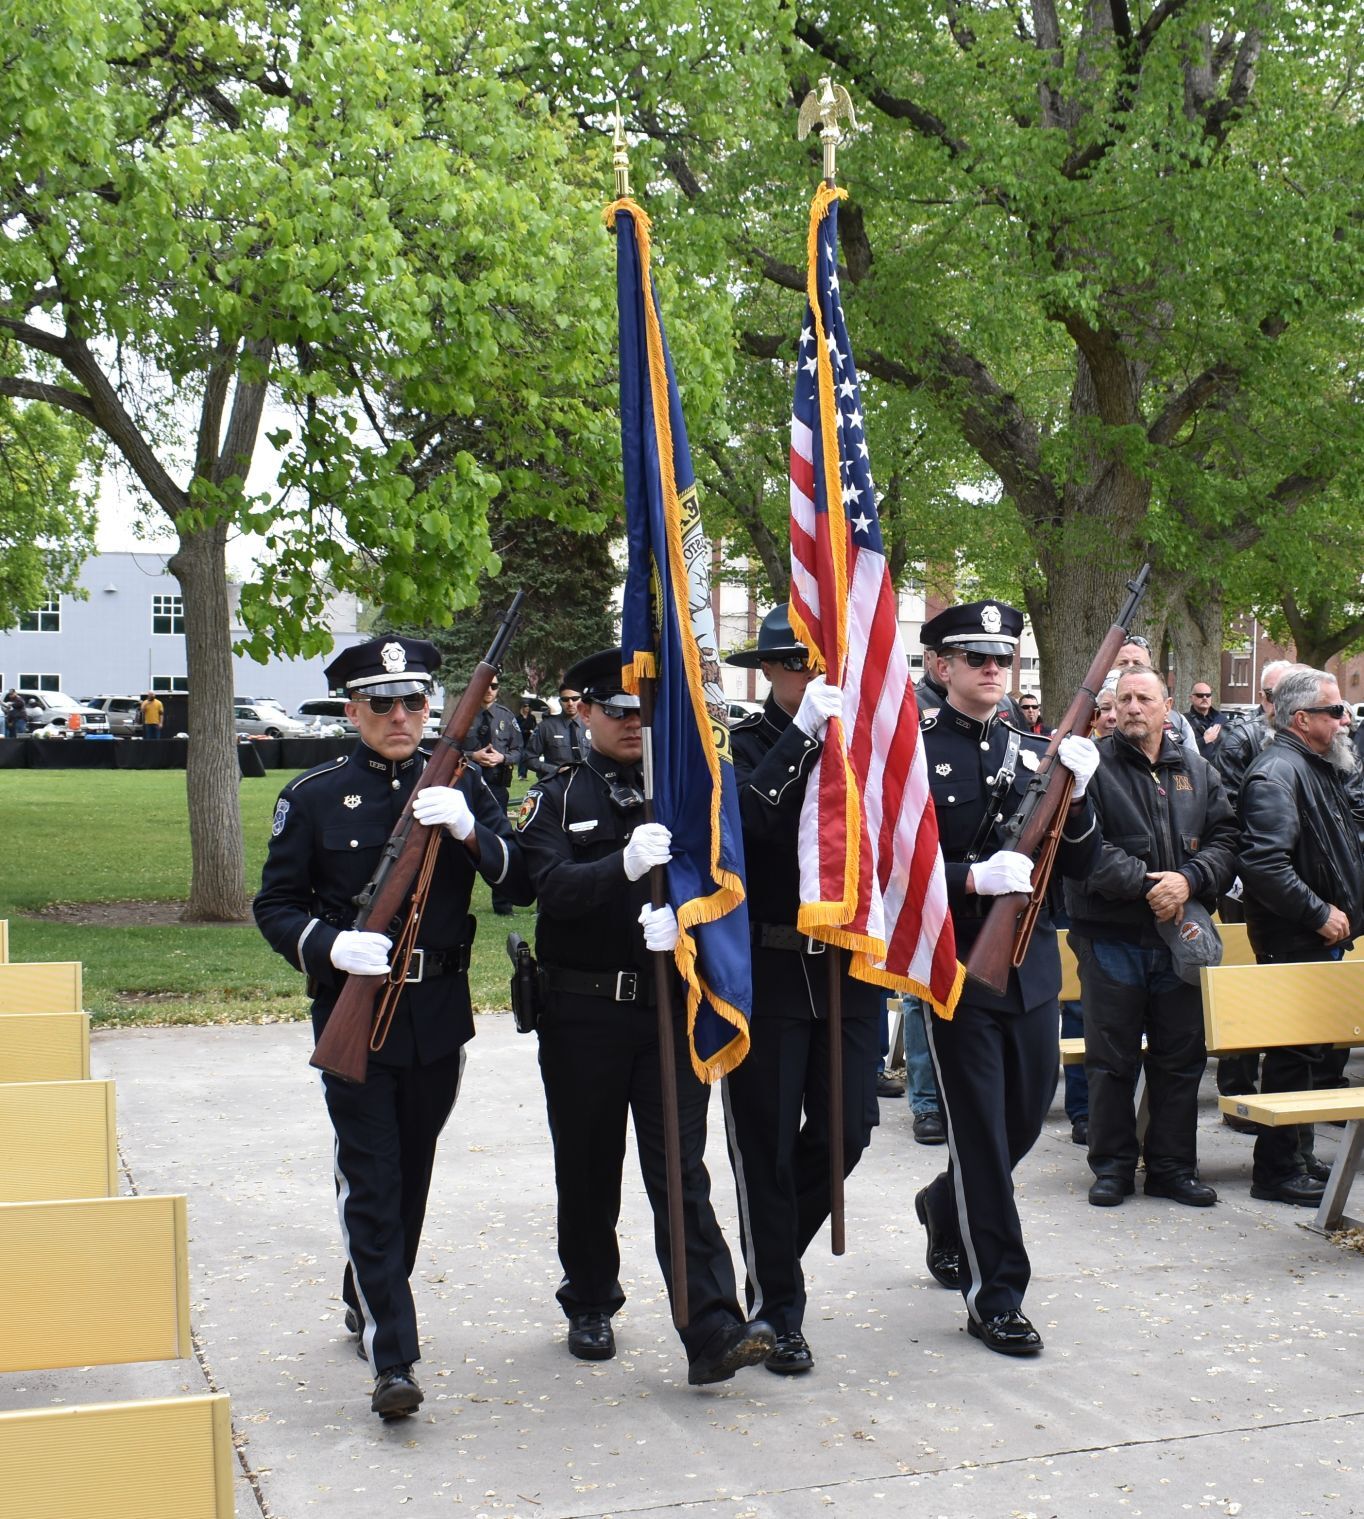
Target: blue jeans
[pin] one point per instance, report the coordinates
(1077, 1084)
(921, 1084)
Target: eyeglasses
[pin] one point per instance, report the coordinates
(1140, 642)
(382, 705)
(492, 685)
(616, 713)
(1336, 710)
(977, 661)
(796, 663)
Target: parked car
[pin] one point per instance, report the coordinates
(738, 710)
(257, 720)
(327, 709)
(124, 713)
(53, 709)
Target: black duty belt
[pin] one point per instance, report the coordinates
(613, 985)
(783, 936)
(427, 964)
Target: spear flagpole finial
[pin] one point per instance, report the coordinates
(620, 156)
(826, 105)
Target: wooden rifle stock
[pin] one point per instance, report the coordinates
(1004, 935)
(343, 1049)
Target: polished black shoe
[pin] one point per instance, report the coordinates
(590, 1337)
(929, 1129)
(354, 1323)
(730, 1348)
(1318, 1170)
(792, 1355)
(889, 1086)
(1300, 1189)
(1240, 1125)
(1109, 1191)
(943, 1259)
(396, 1393)
(1008, 1333)
(1079, 1132)
(1181, 1189)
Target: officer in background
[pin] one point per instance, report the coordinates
(493, 742)
(996, 1057)
(589, 853)
(559, 739)
(777, 1099)
(329, 831)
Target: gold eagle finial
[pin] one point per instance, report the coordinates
(826, 105)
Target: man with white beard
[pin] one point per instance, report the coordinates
(1302, 869)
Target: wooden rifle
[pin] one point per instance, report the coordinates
(1035, 827)
(344, 1047)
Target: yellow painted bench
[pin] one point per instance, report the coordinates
(52, 986)
(4, 941)
(1263, 1006)
(57, 1140)
(147, 1460)
(97, 1282)
(44, 1047)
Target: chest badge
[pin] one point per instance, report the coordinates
(351, 801)
(943, 769)
(1029, 759)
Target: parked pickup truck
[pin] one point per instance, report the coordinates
(53, 709)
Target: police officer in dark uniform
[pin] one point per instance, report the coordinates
(329, 830)
(996, 1057)
(558, 739)
(777, 1099)
(493, 742)
(589, 852)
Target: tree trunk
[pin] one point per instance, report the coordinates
(218, 883)
(1195, 625)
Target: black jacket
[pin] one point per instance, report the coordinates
(1171, 815)
(1240, 742)
(1300, 849)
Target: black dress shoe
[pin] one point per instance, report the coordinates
(1318, 1170)
(1181, 1189)
(943, 1258)
(889, 1086)
(590, 1337)
(354, 1323)
(929, 1129)
(1009, 1333)
(1299, 1189)
(396, 1393)
(792, 1355)
(1240, 1125)
(1109, 1191)
(1079, 1132)
(730, 1348)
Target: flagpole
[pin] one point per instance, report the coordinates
(825, 106)
(658, 896)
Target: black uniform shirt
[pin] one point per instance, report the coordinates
(556, 742)
(496, 727)
(330, 827)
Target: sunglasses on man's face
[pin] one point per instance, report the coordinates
(977, 661)
(381, 706)
(796, 663)
(615, 712)
(1140, 642)
(1336, 709)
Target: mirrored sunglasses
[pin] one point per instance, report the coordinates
(616, 712)
(381, 706)
(796, 663)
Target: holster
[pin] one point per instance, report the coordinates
(527, 1000)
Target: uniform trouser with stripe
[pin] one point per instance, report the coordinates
(777, 1121)
(599, 1065)
(386, 1130)
(997, 1073)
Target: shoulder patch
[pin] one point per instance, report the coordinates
(281, 817)
(530, 805)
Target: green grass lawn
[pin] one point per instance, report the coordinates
(77, 836)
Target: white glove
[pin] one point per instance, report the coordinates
(649, 845)
(660, 928)
(443, 807)
(820, 702)
(1003, 873)
(361, 954)
(1081, 758)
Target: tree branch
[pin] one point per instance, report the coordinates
(53, 395)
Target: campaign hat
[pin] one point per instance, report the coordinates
(775, 641)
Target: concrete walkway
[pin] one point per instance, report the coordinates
(1197, 1360)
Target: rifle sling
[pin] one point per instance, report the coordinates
(1004, 778)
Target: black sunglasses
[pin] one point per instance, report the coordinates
(1028, 706)
(977, 661)
(614, 712)
(793, 662)
(1199, 695)
(381, 706)
(1336, 710)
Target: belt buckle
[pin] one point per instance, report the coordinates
(627, 986)
(814, 946)
(419, 960)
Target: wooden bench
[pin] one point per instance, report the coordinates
(4, 941)
(98, 1282)
(146, 1460)
(40, 987)
(57, 1140)
(44, 1047)
(1263, 1006)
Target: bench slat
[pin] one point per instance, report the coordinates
(44, 1047)
(57, 1140)
(52, 986)
(1257, 1007)
(1275, 1108)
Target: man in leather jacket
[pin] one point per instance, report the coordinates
(1302, 867)
(1168, 835)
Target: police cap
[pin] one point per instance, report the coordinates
(775, 641)
(985, 627)
(598, 677)
(391, 666)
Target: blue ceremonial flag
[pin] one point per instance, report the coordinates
(668, 632)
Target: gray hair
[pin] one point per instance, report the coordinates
(1146, 670)
(1298, 688)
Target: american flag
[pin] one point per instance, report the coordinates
(871, 872)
